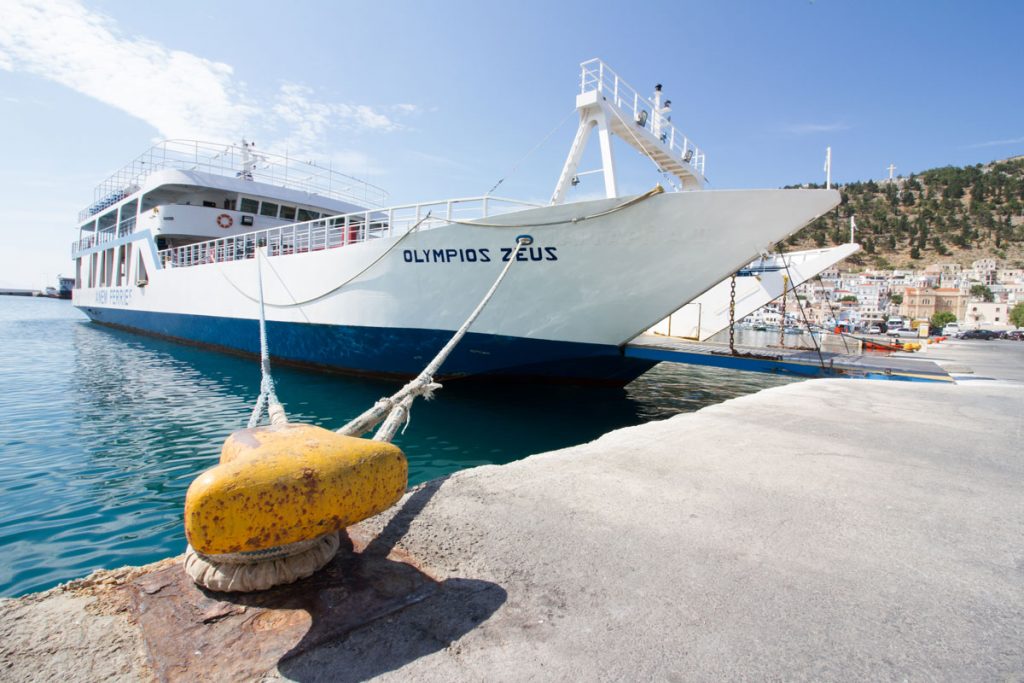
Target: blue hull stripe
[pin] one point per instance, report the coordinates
(389, 352)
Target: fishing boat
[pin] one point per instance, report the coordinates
(181, 241)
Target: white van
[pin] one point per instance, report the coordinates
(951, 330)
(893, 324)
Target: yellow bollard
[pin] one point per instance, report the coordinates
(289, 483)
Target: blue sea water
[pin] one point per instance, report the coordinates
(102, 431)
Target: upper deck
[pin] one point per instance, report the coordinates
(232, 161)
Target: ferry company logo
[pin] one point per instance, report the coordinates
(482, 255)
(121, 296)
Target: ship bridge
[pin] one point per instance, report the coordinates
(610, 106)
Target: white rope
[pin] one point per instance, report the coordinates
(472, 223)
(515, 167)
(268, 396)
(394, 410)
(656, 190)
(260, 570)
(326, 294)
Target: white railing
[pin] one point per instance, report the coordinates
(595, 75)
(339, 231)
(108, 234)
(236, 162)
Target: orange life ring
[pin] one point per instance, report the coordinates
(225, 221)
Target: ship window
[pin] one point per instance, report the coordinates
(141, 277)
(288, 212)
(230, 204)
(249, 205)
(268, 209)
(129, 209)
(108, 220)
(307, 215)
(210, 205)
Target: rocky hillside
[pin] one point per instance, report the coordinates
(948, 214)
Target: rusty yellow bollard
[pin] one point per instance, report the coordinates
(284, 487)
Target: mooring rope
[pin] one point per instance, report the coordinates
(343, 284)
(394, 410)
(268, 395)
(656, 190)
(515, 166)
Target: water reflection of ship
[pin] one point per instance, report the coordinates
(182, 400)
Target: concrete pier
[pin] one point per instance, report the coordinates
(826, 530)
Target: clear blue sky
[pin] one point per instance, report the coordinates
(432, 100)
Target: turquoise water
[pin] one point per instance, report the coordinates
(102, 431)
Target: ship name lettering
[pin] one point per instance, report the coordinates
(114, 296)
(481, 255)
(530, 254)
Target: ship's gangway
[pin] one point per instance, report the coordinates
(800, 362)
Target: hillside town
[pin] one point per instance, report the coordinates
(979, 297)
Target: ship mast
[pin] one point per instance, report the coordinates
(609, 105)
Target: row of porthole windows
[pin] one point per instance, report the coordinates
(273, 210)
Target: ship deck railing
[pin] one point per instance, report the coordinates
(595, 75)
(231, 160)
(108, 234)
(339, 231)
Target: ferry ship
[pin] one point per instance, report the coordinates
(178, 243)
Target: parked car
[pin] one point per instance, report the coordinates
(978, 334)
(1015, 335)
(903, 332)
(951, 330)
(874, 329)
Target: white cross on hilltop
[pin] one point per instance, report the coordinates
(892, 167)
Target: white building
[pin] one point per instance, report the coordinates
(988, 314)
(984, 270)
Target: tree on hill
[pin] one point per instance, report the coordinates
(939, 212)
(982, 292)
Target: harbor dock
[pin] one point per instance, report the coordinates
(821, 530)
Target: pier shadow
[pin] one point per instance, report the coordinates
(367, 612)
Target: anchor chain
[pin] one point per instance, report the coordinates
(732, 315)
(782, 322)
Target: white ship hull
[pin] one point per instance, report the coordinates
(385, 306)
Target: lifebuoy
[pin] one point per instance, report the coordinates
(225, 221)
